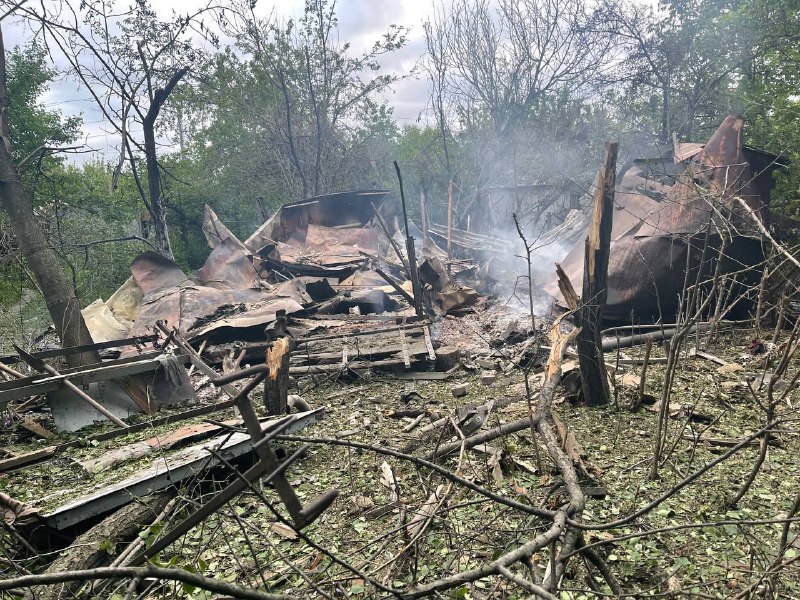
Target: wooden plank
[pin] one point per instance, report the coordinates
(710, 357)
(404, 346)
(36, 456)
(144, 339)
(428, 342)
(638, 361)
(319, 338)
(5, 385)
(11, 372)
(348, 317)
(353, 366)
(414, 349)
(35, 428)
(408, 298)
(69, 350)
(138, 393)
(163, 473)
(423, 375)
(27, 458)
(42, 384)
(145, 447)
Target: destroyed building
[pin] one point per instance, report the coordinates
(326, 289)
(669, 209)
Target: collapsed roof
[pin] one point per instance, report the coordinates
(661, 220)
(291, 263)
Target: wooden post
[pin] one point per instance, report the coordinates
(594, 378)
(416, 288)
(276, 384)
(410, 250)
(449, 218)
(424, 217)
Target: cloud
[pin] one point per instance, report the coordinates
(361, 23)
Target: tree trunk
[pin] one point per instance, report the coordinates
(56, 287)
(156, 203)
(595, 289)
(666, 126)
(97, 546)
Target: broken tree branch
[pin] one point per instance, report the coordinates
(146, 572)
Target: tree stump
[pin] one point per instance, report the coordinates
(447, 357)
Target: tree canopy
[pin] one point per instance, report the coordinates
(519, 93)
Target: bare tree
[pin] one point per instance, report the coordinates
(501, 74)
(314, 94)
(506, 61)
(130, 62)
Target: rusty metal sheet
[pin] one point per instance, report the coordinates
(324, 235)
(653, 243)
(151, 271)
(252, 317)
(215, 231)
(715, 175)
(330, 210)
(229, 267)
(184, 307)
(329, 247)
(264, 235)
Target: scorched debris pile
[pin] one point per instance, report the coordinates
(206, 380)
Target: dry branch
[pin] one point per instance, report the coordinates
(147, 572)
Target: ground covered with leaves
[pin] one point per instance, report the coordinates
(397, 524)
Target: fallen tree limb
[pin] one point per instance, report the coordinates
(89, 550)
(486, 436)
(446, 473)
(546, 428)
(147, 572)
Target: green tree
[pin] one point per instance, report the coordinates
(33, 129)
(308, 98)
(769, 94)
(59, 294)
(130, 61)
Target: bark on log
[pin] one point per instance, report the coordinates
(590, 310)
(89, 550)
(447, 357)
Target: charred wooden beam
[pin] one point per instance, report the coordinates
(276, 384)
(595, 290)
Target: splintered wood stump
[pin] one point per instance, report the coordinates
(594, 379)
(276, 385)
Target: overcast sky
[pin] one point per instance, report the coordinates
(361, 22)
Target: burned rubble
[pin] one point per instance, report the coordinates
(325, 275)
(334, 318)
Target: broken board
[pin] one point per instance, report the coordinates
(164, 472)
